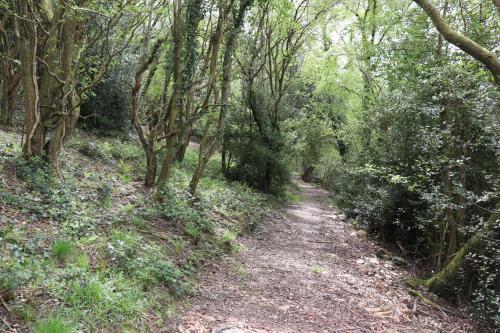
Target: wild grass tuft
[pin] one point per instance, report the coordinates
(82, 261)
(62, 249)
(52, 325)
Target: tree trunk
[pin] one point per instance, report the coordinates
(175, 103)
(9, 95)
(183, 144)
(342, 147)
(223, 161)
(462, 200)
(198, 173)
(207, 149)
(147, 140)
(307, 175)
(439, 282)
(440, 42)
(67, 103)
(496, 3)
(267, 180)
(449, 226)
(168, 161)
(33, 136)
(49, 53)
(151, 167)
(9, 74)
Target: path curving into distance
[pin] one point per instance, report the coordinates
(311, 272)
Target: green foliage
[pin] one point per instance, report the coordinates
(62, 249)
(107, 108)
(111, 273)
(36, 172)
(17, 268)
(125, 170)
(85, 294)
(125, 151)
(392, 180)
(236, 204)
(483, 266)
(104, 195)
(402, 132)
(182, 207)
(94, 300)
(212, 170)
(82, 261)
(52, 325)
(262, 167)
(92, 149)
(229, 241)
(166, 273)
(127, 253)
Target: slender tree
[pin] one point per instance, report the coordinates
(208, 145)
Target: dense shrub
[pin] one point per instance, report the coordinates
(260, 167)
(248, 156)
(107, 109)
(426, 151)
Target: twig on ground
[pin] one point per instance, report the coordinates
(4, 304)
(321, 242)
(6, 323)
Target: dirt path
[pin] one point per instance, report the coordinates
(311, 273)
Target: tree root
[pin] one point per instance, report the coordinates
(414, 282)
(424, 299)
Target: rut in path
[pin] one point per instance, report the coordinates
(310, 273)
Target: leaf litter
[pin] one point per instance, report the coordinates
(311, 272)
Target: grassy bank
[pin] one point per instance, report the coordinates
(99, 252)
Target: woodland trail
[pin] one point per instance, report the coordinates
(310, 273)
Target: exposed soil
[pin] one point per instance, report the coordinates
(311, 273)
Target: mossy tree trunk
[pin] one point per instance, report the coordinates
(440, 282)
(184, 56)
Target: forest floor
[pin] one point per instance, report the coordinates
(311, 272)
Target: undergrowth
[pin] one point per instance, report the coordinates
(97, 249)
